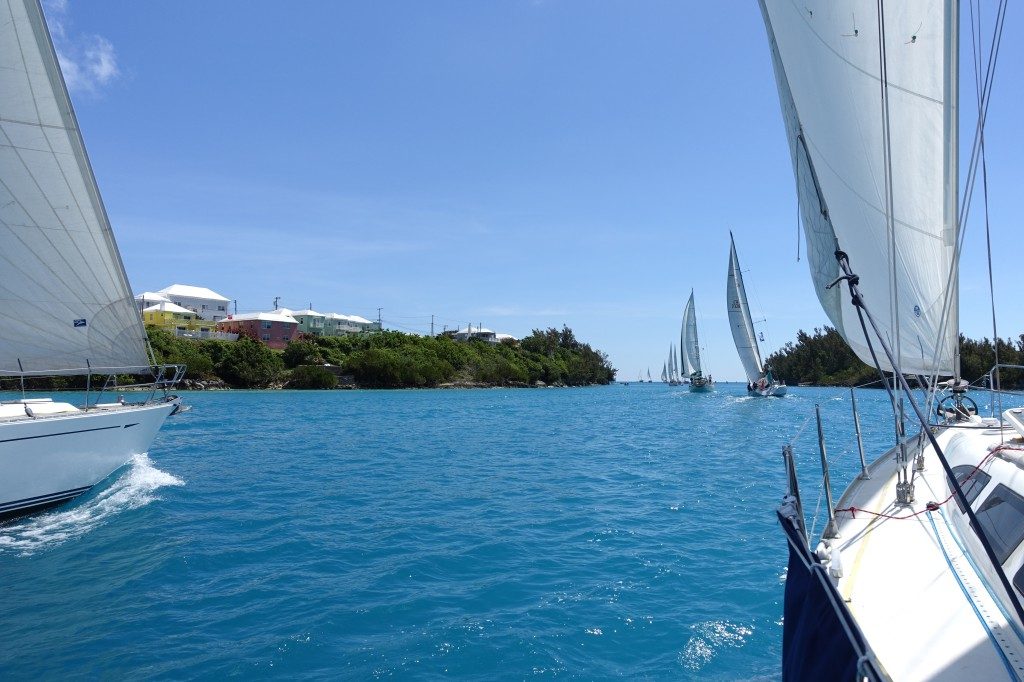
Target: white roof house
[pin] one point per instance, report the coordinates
(189, 291)
(168, 307)
(482, 333)
(148, 298)
(276, 316)
(206, 302)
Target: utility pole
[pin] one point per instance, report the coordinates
(431, 325)
(378, 317)
(236, 306)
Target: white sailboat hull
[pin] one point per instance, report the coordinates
(962, 623)
(700, 385)
(51, 459)
(772, 391)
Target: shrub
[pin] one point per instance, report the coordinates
(312, 377)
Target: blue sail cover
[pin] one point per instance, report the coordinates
(820, 640)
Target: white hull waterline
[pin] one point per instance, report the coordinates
(52, 458)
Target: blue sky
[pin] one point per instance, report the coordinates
(517, 163)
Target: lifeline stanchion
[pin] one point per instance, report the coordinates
(860, 443)
(830, 529)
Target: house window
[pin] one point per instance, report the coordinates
(265, 337)
(266, 325)
(204, 306)
(1001, 516)
(220, 307)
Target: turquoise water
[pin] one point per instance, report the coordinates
(590, 533)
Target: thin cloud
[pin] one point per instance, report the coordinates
(89, 62)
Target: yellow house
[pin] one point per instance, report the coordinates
(176, 319)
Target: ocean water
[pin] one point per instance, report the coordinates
(584, 533)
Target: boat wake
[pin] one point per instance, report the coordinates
(134, 487)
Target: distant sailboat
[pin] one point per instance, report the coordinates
(649, 380)
(664, 373)
(760, 381)
(672, 371)
(691, 350)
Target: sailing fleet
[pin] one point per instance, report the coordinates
(686, 368)
(900, 584)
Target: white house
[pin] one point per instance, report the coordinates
(207, 303)
(148, 299)
(483, 334)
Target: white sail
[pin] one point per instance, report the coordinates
(739, 318)
(664, 372)
(682, 348)
(673, 369)
(827, 65)
(64, 295)
(692, 348)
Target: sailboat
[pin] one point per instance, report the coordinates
(664, 373)
(760, 381)
(649, 380)
(65, 303)
(673, 372)
(690, 346)
(919, 572)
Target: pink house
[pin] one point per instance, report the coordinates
(273, 329)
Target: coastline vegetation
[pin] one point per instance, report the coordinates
(824, 359)
(388, 359)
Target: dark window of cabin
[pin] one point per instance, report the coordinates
(1001, 515)
(973, 486)
(1018, 580)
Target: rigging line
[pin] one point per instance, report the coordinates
(890, 225)
(800, 432)
(965, 206)
(862, 311)
(976, 53)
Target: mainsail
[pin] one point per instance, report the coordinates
(64, 295)
(739, 318)
(692, 344)
(828, 69)
(682, 347)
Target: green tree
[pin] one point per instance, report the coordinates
(312, 377)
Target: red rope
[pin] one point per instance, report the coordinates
(930, 506)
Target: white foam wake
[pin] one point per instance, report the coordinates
(135, 487)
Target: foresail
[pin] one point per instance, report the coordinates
(64, 295)
(692, 349)
(739, 319)
(826, 59)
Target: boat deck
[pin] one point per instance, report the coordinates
(923, 604)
